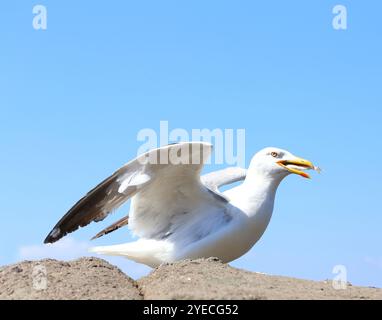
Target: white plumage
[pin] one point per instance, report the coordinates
(177, 214)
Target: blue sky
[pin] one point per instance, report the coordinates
(74, 97)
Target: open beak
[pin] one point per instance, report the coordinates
(297, 165)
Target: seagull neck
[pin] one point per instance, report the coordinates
(259, 191)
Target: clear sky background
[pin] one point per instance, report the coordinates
(73, 98)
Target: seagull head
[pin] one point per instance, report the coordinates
(280, 163)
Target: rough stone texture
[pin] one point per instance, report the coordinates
(211, 279)
(92, 278)
(83, 279)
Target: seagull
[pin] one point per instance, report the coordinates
(178, 214)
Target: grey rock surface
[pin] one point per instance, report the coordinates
(86, 278)
(211, 279)
(96, 279)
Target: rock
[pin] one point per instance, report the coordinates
(211, 279)
(86, 278)
(92, 278)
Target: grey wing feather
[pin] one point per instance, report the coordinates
(121, 186)
(115, 226)
(217, 179)
(95, 206)
(212, 181)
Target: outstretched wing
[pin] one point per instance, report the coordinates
(177, 161)
(213, 181)
(98, 202)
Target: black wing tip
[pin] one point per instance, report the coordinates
(49, 240)
(54, 236)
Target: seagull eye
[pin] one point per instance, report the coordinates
(274, 154)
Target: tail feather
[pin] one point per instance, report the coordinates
(149, 252)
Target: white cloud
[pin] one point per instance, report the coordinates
(70, 249)
(66, 249)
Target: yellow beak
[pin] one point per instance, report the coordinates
(293, 166)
